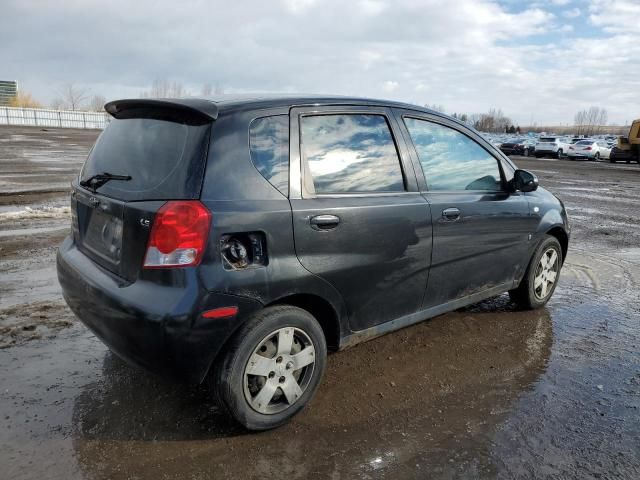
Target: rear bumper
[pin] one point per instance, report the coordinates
(579, 155)
(157, 327)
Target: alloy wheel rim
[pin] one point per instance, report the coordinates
(279, 370)
(546, 274)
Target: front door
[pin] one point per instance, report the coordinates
(480, 229)
(359, 220)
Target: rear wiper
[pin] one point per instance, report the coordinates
(96, 181)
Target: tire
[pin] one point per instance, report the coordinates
(526, 152)
(559, 153)
(260, 337)
(596, 157)
(527, 295)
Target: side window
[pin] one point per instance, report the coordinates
(451, 160)
(350, 153)
(269, 145)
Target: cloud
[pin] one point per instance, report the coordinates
(468, 55)
(616, 16)
(297, 6)
(573, 13)
(390, 86)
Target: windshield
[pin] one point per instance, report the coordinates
(165, 159)
(548, 139)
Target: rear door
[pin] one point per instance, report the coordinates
(163, 153)
(480, 230)
(359, 220)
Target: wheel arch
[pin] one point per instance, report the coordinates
(561, 235)
(322, 310)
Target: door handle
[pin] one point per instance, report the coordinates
(324, 222)
(451, 214)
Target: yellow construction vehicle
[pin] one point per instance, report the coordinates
(628, 148)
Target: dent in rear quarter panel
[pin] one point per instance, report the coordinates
(242, 200)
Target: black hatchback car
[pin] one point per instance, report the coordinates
(521, 146)
(236, 241)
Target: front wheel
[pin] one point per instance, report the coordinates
(541, 277)
(272, 367)
(526, 152)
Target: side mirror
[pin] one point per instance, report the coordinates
(524, 181)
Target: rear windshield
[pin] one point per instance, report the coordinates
(584, 142)
(548, 139)
(164, 158)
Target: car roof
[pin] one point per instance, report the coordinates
(212, 106)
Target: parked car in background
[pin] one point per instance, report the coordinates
(234, 242)
(589, 149)
(551, 147)
(518, 146)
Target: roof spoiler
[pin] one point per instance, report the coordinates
(203, 109)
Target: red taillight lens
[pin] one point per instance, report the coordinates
(179, 235)
(588, 148)
(222, 312)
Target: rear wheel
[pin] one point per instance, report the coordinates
(272, 367)
(526, 152)
(559, 154)
(596, 157)
(541, 277)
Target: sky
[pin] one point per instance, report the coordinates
(538, 61)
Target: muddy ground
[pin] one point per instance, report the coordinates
(485, 392)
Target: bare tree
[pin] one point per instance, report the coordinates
(73, 96)
(591, 121)
(494, 121)
(436, 107)
(207, 89)
(96, 103)
(165, 89)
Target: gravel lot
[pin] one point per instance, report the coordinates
(484, 392)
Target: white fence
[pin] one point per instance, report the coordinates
(37, 117)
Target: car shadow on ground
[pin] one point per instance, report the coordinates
(129, 403)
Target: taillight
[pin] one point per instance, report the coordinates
(222, 312)
(178, 235)
(588, 148)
